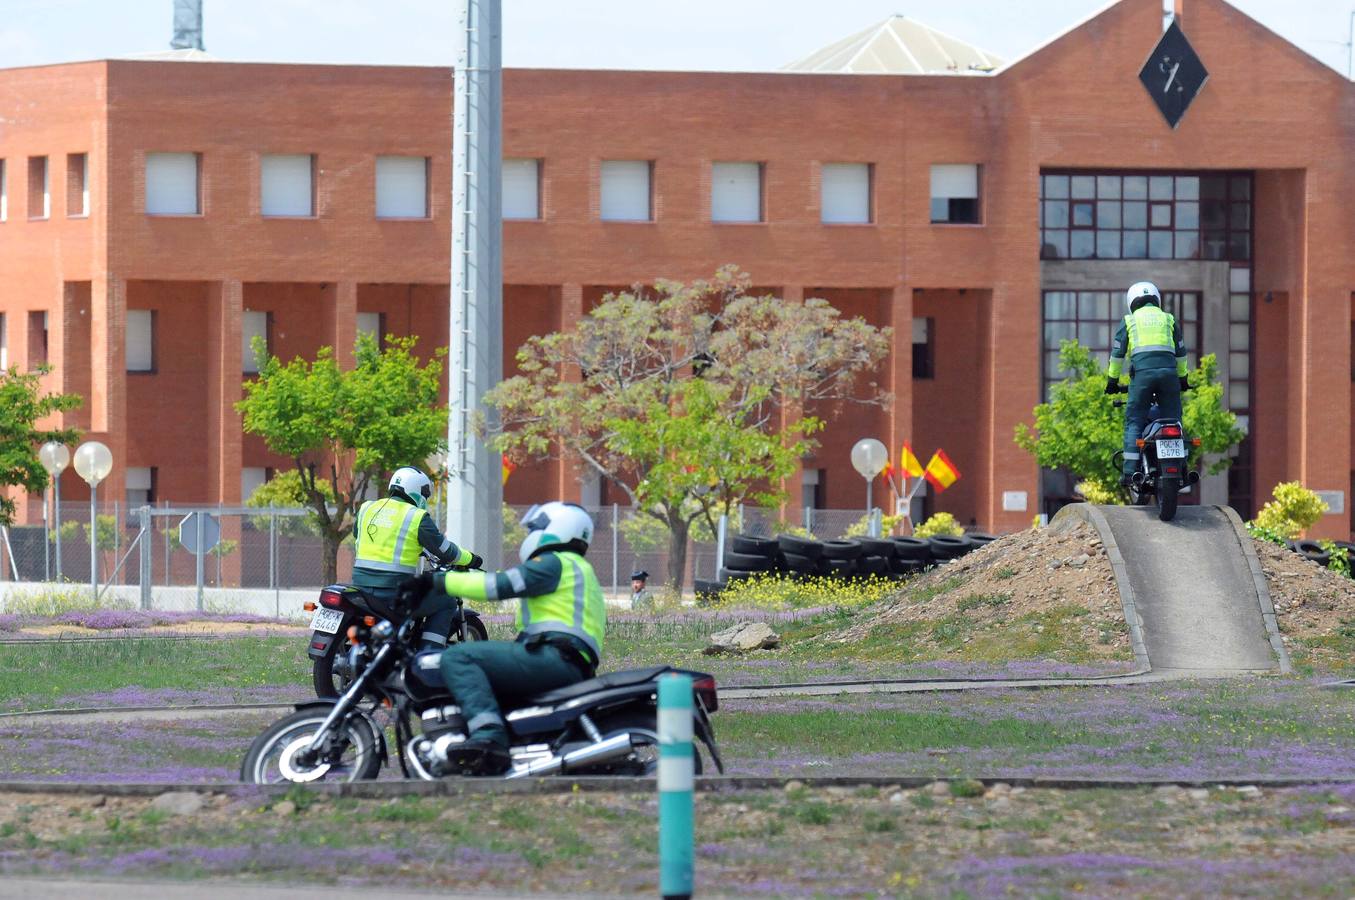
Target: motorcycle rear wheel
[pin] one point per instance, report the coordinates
(644, 759)
(1166, 497)
(276, 756)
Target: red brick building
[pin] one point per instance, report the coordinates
(155, 214)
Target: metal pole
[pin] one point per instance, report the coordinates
(1350, 47)
(616, 547)
(870, 491)
(198, 554)
(46, 539)
(676, 780)
(273, 565)
(56, 510)
(147, 556)
(721, 530)
(117, 533)
(94, 543)
(475, 364)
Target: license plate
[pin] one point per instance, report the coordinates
(326, 620)
(1171, 449)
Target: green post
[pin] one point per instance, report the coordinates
(675, 786)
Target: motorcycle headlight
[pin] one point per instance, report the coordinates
(383, 630)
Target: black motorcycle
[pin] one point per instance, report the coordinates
(602, 726)
(1164, 471)
(340, 607)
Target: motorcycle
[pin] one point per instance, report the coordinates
(339, 607)
(606, 725)
(1164, 472)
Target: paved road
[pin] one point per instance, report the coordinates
(1194, 590)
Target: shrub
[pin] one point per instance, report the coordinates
(938, 524)
(1093, 491)
(1293, 510)
(861, 527)
(1339, 560)
(1269, 535)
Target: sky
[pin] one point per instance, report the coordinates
(720, 35)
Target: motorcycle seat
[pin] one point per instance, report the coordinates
(623, 678)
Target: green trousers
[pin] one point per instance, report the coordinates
(478, 673)
(1148, 387)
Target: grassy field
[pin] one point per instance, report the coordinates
(953, 842)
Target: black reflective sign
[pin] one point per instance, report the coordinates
(1173, 74)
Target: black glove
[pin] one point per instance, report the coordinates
(476, 562)
(1184, 382)
(1112, 385)
(417, 586)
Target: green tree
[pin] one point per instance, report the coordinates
(23, 403)
(286, 490)
(1080, 429)
(690, 396)
(344, 428)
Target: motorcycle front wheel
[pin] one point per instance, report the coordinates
(278, 756)
(1167, 493)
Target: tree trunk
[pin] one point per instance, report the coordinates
(677, 552)
(331, 560)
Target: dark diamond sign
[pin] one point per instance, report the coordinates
(1173, 74)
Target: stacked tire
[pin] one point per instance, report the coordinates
(911, 555)
(1312, 551)
(749, 557)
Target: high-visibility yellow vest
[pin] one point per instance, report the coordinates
(575, 607)
(1150, 330)
(388, 536)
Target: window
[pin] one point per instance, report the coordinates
(924, 356)
(522, 188)
(401, 187)
(812, 488)
(39, 191)
(173, 184)
(37, 339)
(77, 184)
(253, 324)
(4, 193)
(251, 479)
(845, 194)
(373, 323)
(736, 192)
(1150, 216)
(140, 484)
(626, 190)
(955, 194)
(287, 185)
(140, 340)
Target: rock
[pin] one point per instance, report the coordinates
(998, 804)
(897, 797)
(742, 638)
(285, 808)
(998, 789)
(1249, 792)
(794, 785)
(939, 789)
(1078, 562)
(1199, 795)
(1167, 793)
(178, 803)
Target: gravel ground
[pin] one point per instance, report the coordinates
(943, 840)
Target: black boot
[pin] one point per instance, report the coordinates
(480, 756)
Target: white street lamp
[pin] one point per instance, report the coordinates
(869, 457)
(93, 462)
(55, 458)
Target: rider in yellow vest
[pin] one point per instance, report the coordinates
(1151, 339)
(561, 618)
(389, 535)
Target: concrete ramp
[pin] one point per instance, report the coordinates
(1192, 589)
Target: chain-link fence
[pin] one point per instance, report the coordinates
(148, 551)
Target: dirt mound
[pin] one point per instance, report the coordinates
(1314, 605)
(1051, 577)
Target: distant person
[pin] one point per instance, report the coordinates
(1151, 339)
(641, 597)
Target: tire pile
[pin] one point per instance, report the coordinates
(862, 557)
(1314, 552)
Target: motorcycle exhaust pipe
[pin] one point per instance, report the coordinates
(601, 751)
(1193, 478)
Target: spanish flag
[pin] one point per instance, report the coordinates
(509, 467)
(941, 472)
(911, 467)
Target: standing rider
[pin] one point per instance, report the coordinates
(1151, 338)
(561, 618)
(390, 533)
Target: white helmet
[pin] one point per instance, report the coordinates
(554, 523)
(1139, 293)
(413, 484)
